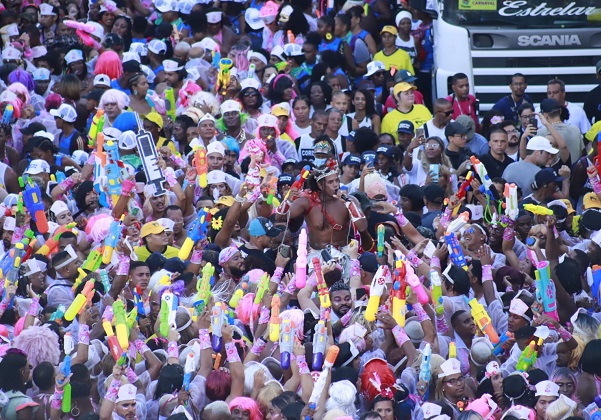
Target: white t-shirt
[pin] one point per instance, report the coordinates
(432, 131)
(305, 147)
(578, 118)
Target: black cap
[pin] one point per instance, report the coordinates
(591, 219)
(131, 66)
(363, 200)
(434, 193)
(174, 265)
(546, 176)
(95, 94)
(549, 105)
(33, 128)
(155, 261)
(368, 262)
(406, 126)
(454, 128)
(285, 179)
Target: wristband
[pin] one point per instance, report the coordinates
(399, 335)
(141, 347)
(240, 199)
(435, 262)
(34, 307)
(170, 176)
(113, 391)
(57, 399)
(508, 233)
(18, 234)
(172, 350)
(277, 275)
(597, 187)
(283, 208)
(486, 273)
(401, 219)
(413, 258)
(196, 257)
(123, 268)
(291, 287)
(177, 160)
(264, 316)
(92, 158)
(301, 362)
(4, 304)
(84, 334)
(258, 346)
(66, 184)
(205, 339)
(346, 318)
(232, 353)
(127, 186)
(131, 375)
(324, 314)
(422, 315)
(355, 270)
(441, 324)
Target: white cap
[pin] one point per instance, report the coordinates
(547, 389)
(278, 52)
(250, 83)
(449, 367)
(214, 17)
(44, 134)
(131, 56)
(41, 74)
(139, 48)
(230, 106)
(157, 46)
(11, 53)
(166, 223)
(206, 117)
(10, 223)
(373, 67)
(209, 44)
(285, 13)
(102, 79)
(430, 410)
(65, 112)
(518, 307)
(293, 50)
(402, 15)
(127, 140)
(492, 368)
(58, 207)
(215, 177)
(33, 266)
(481, 350)
(80, 157)
(185, 6)
(7, 96)
(98, 29)
(127, 392)
(111, 133)
(541, 143)
(253, 18)
(165, 6)
(267, 120)
(216, 147)
(46, 10)
(170, 65)
(150, 76)
(39, 51)
(73, 56)
(37, 166)
(10, 30)
(11, 200)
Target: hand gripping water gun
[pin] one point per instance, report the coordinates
(121, 324)
(223, 77)
(57, 316)
(499, 348)
(483, 320)
(545, 290)
(202, 166)
(93, 261)
(170, 103)
(271, 189)
(139, 302)
(380, 246)
(320, 339)
(483, 174)
(123, 200)
(459, 222)
(424, 369)
(465, 185)
(96, 127)
(32, 198)
(378, 285)
(216, 57)
(527, 358)
(203, 287)
(417, 286)
(320, 384)
(79, 303)
(150, 160)
(300, 180)
(455, 252)
(286, 343)
(113, 342)
(68, 346)
(262, 288)
(111, 241)
(188, 369)
(51, 245)
(275, 321)
(399, 292)
(13, 272)
(301, 261)
(322, 288)
(217, 322)
(436, 293)
(196, 231)
(511, 201)
(167, 313)
(538, 210)
(7, 115)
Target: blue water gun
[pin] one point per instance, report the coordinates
(596, 415)
(197, 231)
(111, 240)
(456, 253)
(138, 301)
(595, 287)
(114, 169)
(499, 348)
(32, 198)
(13, 272)
(545, 290)
(188, 370)
(425, 373)
(7, 115)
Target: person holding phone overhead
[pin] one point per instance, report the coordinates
(433, 166)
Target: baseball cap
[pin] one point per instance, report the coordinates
(352, 160)
(155, 117)
(368, 262)
(367, 85)
(390, 29)
(546, 176)
(468, 123)
(385, 150)
(454, 128)
(404, 76)
(253, 18)
(569, 206)
(73, 56)
(41, 74)
(541, 143)
(434, 193)
(165, 6)
(374, 67)
(591, 201)
(285, 179)
(157, 46)
(102, 79)
(402, 87)
(151, 228)
(33, 128)
(65, 112)
(549, 105)
(37, 166)
(406, 127)
(262, 226)
(281, 109)
(214, 16)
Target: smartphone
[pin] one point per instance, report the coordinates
(419, 132)
(284, 251)
(369, 159)
(325, 256)
(360, 293)
(434, 172)
(532, 121)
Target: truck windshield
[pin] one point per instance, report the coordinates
(523, 13)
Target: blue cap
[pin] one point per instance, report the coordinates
(406, 127)
(285, 179)
(262, 226)
(352, 160)
(385, 150)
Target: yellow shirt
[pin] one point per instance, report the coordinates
(164, 142)
(143, 253)
(398, 59)
(418, 115)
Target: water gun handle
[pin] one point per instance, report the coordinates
(418, 288)
(380, 246)
(66, 404)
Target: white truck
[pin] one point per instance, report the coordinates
(489, 40)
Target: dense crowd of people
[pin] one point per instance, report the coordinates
(258, 210)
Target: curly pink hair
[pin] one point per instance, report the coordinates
(252, 145)
(246, 309)
(245, 403)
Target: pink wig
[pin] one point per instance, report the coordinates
(254, 146)
(247, 309)
(187, 91)
(109, 63)
(297, 318)
(53, 101)
(219, 384)
(98, 227)
(40, 344)
(245, 403)
(114, 96)
(253, 276)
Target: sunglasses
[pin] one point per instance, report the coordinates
(252, 93)
(447, 113)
